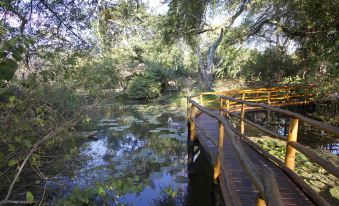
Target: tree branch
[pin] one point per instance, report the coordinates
(60, 19)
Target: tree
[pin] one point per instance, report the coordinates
(311, 25)
(188, 19)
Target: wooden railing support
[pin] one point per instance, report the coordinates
(188, 109)
(227, 107)
(305, 96)
(242, 115)
(292, 137)
(217, 163)
(268, 98)
(192, 123)
(221, 102)
(260, 201)
(201, 100)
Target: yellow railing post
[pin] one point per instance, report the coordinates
(201, 100)
(242, 115)
(292, 137)
(227, 107)
(269, 98)
(305, 96)
(260, 202)
(217, 163)
(188, 109)
(192, 123)
(287, 94)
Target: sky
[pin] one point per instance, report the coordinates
(157, 7)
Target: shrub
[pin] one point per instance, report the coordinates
(144, 87)
(271, 66)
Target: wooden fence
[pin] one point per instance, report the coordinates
(236, 103)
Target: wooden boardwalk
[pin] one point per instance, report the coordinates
(207, 126)
(245, 172)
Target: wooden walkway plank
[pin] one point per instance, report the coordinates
(207, 127)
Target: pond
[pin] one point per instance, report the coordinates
(137, 157)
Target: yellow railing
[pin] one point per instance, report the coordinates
(275, 96)
(235, 101)
(263, 180)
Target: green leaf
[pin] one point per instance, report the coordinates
(11, 99)
(7, 69)
(18, 139)
(11, 148)
(17, 55)
(12, 42)
(12, 163)
(174, 194)
(87, 119)
(29, 197)
(101, 191)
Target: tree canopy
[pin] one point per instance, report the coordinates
(59, 57)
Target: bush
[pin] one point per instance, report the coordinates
(144, 87)
(271, 67)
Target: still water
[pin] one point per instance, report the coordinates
(138, 156)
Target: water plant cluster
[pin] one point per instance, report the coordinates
(318, 178)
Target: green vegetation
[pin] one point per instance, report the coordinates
(144, 87)
(59, 59)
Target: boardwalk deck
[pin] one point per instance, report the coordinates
(207, 127)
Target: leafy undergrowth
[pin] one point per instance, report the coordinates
(314, 175)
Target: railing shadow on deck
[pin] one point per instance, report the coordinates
(230, 103)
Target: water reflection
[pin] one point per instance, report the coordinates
(138, 157)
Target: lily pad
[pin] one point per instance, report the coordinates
(335, 192)
(180, 179)
(154, 131)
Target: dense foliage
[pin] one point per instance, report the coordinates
(144, 87)
(58, 57)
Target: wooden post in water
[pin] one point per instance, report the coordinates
(217, 163)
(192, 123)
(242, 115)
(188, 109)
(191, 135)
(292, 137)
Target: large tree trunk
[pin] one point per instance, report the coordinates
(206, 71)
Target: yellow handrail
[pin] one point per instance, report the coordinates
(235, 101)
(272, 194)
